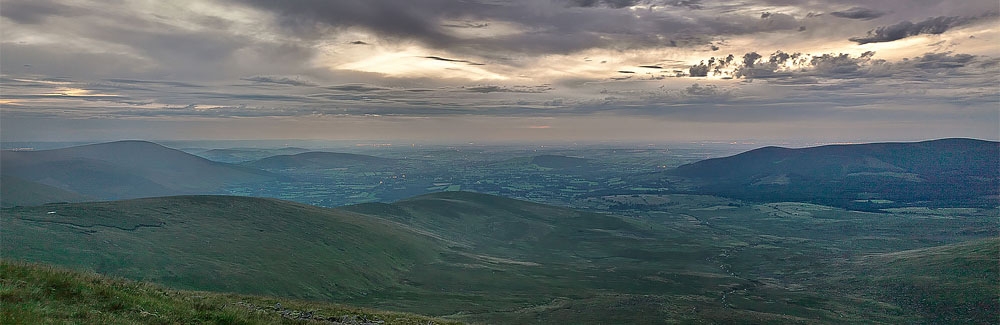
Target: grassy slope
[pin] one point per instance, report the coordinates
(516, 229)
(593, 267)
(15, 191)
(38, 294)
(260, 246)
(958, 283)
(514, 257)
(496, 260)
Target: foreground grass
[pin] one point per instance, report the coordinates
(951, 284)
(40, 294)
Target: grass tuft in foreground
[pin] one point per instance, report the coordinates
(41, 294)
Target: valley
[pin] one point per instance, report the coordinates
(505, 235)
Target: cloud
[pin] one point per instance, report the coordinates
(355, 88)
(714, 66)
(534, 27)
(466, 24)
(280, 81)
(311, 19)
(700, 70)
(858, 13)
(438, 58)
(690, 4)
(154, 82)
(35, 12)
(937, 61)
(605, 3)
(504, 89)
(291, 58)
(140, 41)
(904, 29)
(702, 91)
(618, 4)
(796, 68)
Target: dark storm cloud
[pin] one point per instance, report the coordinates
(858, 13)
(904, 29)
(406, 19)
(556, 26)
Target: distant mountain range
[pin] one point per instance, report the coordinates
(943, 172)
(320, 160)
(125, 169)
(946, 171)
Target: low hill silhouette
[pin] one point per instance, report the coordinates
(320, 160)
(963, 171)
(15, 191)
(126, 169)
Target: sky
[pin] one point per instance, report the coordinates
(499, 70)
